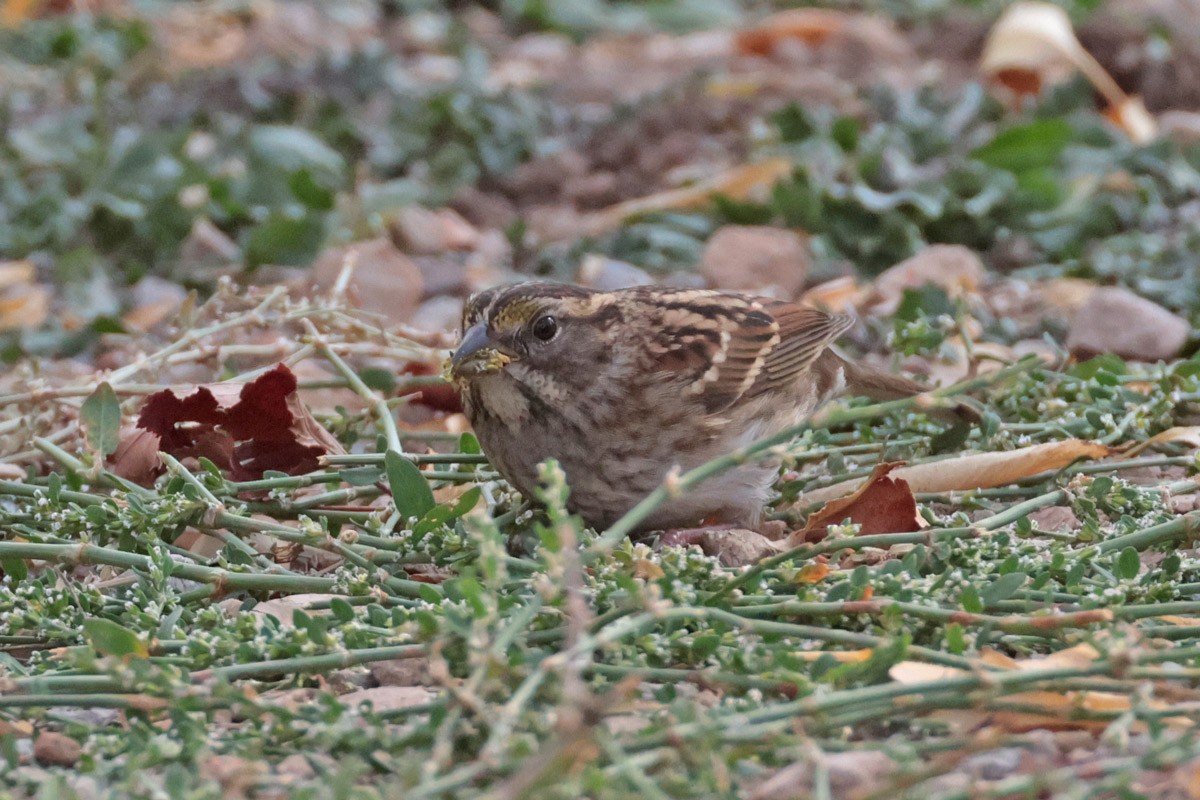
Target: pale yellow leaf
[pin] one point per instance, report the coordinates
(919, 672)
(977, 471)
(1033, 45)
(16, 273)
(739, 183)
(840, 656)
(24, 307)
(1189, 435)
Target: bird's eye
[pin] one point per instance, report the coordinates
(544, 328)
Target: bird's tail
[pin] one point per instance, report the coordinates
(863, 381)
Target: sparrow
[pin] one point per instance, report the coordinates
(623, 387)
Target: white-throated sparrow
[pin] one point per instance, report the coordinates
(620, 387)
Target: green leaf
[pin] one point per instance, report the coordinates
(101, 418)
(294, 149)
(794, 123)
(467, 443)
(309, 192)
(410, 490)
(111, 639)
(1129, 563)
(970, 600)
(1026, 147)
(285, 240)
(379, 379)
(929, 301)
(1108, 362)
(14, 568)
(956, 639)
(1003, 588)
(845, 132)
(341, 610)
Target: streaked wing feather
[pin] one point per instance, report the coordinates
(804, 334)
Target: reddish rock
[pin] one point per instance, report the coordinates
(384, 281)
(756, 259)
(1115, 320)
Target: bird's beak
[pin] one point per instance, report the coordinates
(476, 354)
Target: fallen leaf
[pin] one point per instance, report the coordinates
(1033, 45)
(24, 307)
(882, 504)
(136, 457)
(1132, 116)
(17, 273)
(244, 428)
(284, 608)
(738, 183)
(840, 656)
(813, 573)
(976, 471)
(1048, 709)
(838, 295)
(14, 12)
(1189, 435)
(648, 570)
(198, 543)
(812, 26)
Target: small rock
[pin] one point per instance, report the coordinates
(233, 773)
(1115, 320)
(555, 222)
(608, 274)
(994, 765)
(1055, 518)
(952, 267)
(207, 247)
(541, 180)
(425, 231)
(1182, 126)
(437, 315)
(1184, 503)
(854, 773)
(154, 300)
(736, 547)
(54, 749)
(757, 259)
(384, 281)
(296, 766)
(388, 698)
(443, 274)
(401, 672)
(595, 190)
(484, 210)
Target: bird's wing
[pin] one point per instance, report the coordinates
(727, 347)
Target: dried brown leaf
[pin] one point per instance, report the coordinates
(882, 504)
(812, 26)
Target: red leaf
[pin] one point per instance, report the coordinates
(881, 505)
(245, 429)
